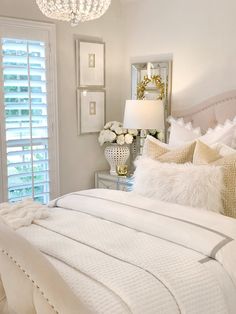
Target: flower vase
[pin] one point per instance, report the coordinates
(116, 155)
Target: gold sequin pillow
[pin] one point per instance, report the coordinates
(157, 150)
(203, 155)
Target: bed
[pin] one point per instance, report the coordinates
(103, 251)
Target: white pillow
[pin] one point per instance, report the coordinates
(181, 132)
(184, 184)
(224, 134)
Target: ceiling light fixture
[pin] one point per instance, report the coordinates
(74, 11)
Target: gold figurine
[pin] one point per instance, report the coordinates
(122, 170)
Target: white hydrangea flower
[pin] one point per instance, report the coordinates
(120, 139)
(110, 133)
(115, 124)
(128, 138)
(111, 136)
(106, 136)
(101, 138)
(161, 136)
(107, 125)
(133, 132)
(118, 130)
(152, 132)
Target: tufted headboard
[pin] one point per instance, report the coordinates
(210, 112)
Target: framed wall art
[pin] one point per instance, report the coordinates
(91, 110)
(90, 64)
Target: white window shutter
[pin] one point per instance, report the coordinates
(29, 151)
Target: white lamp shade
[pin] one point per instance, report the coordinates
(144, 114)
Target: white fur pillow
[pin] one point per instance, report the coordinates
(184, 184)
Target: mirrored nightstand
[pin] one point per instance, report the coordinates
(103, 180)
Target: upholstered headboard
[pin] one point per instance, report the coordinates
(210, 112)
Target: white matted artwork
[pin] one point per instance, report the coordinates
(90, 64)
(91, 110)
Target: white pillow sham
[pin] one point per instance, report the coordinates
(181, 132)
(184, 184)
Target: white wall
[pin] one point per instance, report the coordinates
(80, 156)
(200, 35)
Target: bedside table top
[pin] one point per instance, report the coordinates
(103, 179)
(105, 174)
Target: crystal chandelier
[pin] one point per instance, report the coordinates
(73, 11)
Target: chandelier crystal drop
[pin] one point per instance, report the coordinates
(74, 11)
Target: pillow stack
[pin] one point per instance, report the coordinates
(180, 133)
(198, 172)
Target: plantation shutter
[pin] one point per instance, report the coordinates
(27, 131)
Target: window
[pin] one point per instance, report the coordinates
(28, 114)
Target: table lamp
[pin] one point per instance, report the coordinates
(144, 115)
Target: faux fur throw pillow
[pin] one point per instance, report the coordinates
(184, 184)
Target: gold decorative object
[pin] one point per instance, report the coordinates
(122, 170)
(155, 79)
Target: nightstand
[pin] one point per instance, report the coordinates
(104, 180)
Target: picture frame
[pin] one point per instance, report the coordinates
(91, 110)
(90, 64)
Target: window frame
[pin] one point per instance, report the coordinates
(46, 32)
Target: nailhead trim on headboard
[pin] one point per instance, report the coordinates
(29, 277)
(210, 105)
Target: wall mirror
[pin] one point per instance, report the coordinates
(152, 80)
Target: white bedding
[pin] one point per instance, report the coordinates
(123, 253)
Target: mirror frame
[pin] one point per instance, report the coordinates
(158, 74)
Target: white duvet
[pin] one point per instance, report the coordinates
(123, 253)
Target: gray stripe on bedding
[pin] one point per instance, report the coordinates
(219, 246)
(115, 257)
(205, 260)
(151, 211)
(214, 251)
(131, 228)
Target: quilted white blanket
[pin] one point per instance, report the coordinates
(123, 253)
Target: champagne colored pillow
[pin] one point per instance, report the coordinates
(204, 155)
(157, 150)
